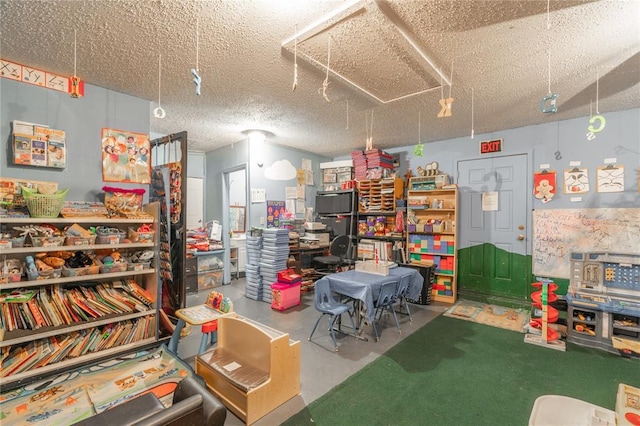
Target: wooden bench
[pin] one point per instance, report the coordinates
(253, 369)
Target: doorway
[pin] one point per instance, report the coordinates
(234, 216)
(493, 258)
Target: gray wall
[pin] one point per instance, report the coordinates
(275, 189)
(230, 157)
(620, 139)
(82, 119)
(217, 162)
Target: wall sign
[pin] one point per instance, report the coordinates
(487, 147)
(18, 72)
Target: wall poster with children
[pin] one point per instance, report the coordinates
(125, 156)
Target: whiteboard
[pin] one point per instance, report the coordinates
(556, 233)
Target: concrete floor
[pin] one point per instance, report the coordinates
(321, 368)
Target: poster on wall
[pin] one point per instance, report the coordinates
(610, 178)
(274, 210)
(544, 185)
(576, 181)
(125, 156)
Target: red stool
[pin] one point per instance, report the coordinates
(209, 334)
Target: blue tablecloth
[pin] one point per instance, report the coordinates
(364, 286)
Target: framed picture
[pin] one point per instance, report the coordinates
(576, 181)
(126, 156)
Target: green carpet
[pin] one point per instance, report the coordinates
(452, 372)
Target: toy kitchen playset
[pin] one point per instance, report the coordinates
(604, 302)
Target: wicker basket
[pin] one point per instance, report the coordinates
(44, 205)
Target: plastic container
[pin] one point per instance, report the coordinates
(73, 240)
(113, 267)
(45, 275)
(140, 237)
(111, 237)
(138, 266)
(47, 241)
(85, 270)
(284, 296)
(44, 205)
(14, 271)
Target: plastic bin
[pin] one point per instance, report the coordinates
(14, 271)
(140, 237)
(284, 296)
(138, 266)
(73, 240)
(113, 267)
(85, 270)
(45, 275)
(111, 237)
(47, 241)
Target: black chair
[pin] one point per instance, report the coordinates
(337, 258)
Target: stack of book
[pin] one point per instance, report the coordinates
(253, 288)
(359, 164)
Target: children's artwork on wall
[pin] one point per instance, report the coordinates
(544, 185)
(576, 181)
(274, 210)
(125, 156)
(610, 178)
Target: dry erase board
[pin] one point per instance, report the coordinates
(556, 233)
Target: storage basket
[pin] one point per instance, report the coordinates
(47, 241)
(113, 267)
(85, 270)
(14, 271)
(44, 275)
(140, 236)
(74, 240)
(44, 205)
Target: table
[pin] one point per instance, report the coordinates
(365, 287)
(194, 315)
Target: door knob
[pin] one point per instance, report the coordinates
(520, 237)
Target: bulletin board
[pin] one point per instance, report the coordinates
(556, 233)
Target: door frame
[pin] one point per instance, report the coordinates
(226, 227)
(528, 220)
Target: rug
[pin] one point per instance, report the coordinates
(76, 395)
(493, 315)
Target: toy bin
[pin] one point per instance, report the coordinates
(85, 270)
(109, 236)
(47, 241)
(74, 240)
(136, 236)
(284, 296)
(106, 268)
(138, 266)
(45, 275)
(10, 271)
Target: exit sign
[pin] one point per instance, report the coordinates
(487, 147)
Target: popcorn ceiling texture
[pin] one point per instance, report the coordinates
(498, 48)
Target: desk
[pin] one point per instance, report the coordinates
(304, 256)
(194, 315)
(365, 287)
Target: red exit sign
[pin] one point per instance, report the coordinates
(487, 147)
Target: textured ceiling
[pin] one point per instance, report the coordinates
(387, 59)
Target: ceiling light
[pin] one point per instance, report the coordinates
(257, 136)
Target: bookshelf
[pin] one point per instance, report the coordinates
(432, 239)
(66, 320)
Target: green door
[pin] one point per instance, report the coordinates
(492, 254)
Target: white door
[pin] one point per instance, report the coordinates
(195, 202)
